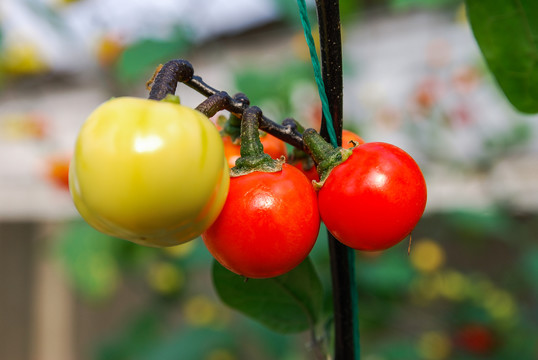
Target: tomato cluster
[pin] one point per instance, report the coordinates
(157, 173)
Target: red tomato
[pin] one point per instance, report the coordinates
(476, 338)
(268, 225)
(347, 136)
(374, 199)
(231, 151)
(273, 146)
(58, 171)
(311, 174)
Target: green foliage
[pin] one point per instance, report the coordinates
(137, 337)
(529, 266)
(387, 276)
(406, 4)
(88, 256)
(187, 345)
(139, 59)
(508, 38)
(520, 134)
(479, 225)
(282, 79)
(288, 303)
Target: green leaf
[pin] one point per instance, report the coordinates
(88, 256)
(508, 38)
(286, 304)
(273, 86)
(191, 344)
(137, 61)
(139, 335)
(406, 4)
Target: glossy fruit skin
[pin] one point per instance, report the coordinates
(276, 148)
(311, 174)
(374, 199)
(268, 225)
(148, 171)
(348, 136)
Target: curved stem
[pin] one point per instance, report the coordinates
(214, 103)
(253, 158)
(347, 345)
(251, 146)
(168, 76)
(175, 71)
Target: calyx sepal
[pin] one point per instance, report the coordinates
(324, 154)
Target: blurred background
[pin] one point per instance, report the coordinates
(413, 77)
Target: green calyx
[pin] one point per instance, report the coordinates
(324, 154)
(232, 128)
(252, 156)
(172, 98)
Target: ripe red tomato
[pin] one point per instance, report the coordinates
(311, 174)
(347, 137)
(231, 151)
(476, 338)
(374, 199)
(268, 225)
(273, 146)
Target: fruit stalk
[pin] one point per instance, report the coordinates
(168, 75)
(253, 158)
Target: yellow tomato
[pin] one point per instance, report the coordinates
(148, 171)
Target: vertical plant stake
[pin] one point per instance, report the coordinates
(347, 342)
(169, 183)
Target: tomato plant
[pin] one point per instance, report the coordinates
(374, 199)
(374, 196)
(307, 166)
(349, 136)
(268, 225)
(272, 146)
(151, 172)
(270, 220)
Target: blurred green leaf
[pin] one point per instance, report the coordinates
(138, 60)
(519, 134)
(288, 10)
(399, 350)
(288, 303)
(406, 4)
(191, 344)
(529, 264)
(139, 335)
(88, 257)
(388, 275)
(508, 38)
(274, 85)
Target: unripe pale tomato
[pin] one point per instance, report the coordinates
(148, 171)
(268, 225)
(373, 199)
(271, 145)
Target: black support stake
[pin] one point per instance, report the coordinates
(347, 345)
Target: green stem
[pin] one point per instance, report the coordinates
(326, 156)
(232, 127)
(252, 156)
